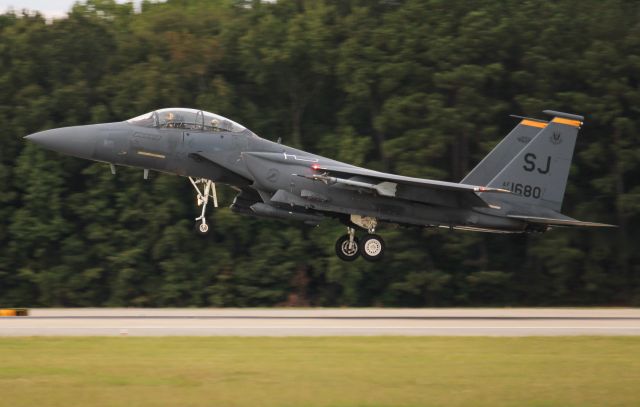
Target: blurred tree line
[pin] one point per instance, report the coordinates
(417, 87)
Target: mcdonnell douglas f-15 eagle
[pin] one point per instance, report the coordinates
(518, 187)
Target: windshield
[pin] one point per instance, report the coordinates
(186, 119)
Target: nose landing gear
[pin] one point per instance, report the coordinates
(208, 191)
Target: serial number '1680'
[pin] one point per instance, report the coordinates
(523, 189)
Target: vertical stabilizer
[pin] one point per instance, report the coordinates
(504, 152)
(538, 174)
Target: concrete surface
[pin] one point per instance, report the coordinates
(324, 322)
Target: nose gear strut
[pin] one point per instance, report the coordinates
(208, 191)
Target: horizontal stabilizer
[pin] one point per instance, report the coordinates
(560, 222)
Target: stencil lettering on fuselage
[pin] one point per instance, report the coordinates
(301, 158)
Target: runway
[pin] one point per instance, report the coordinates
(324, 322)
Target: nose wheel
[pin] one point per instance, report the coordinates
(202, 196)
(202, 227)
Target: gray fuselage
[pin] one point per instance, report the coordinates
(279, 175)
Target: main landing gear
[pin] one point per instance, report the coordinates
(370, 247)
(347, 247)
(208, 191)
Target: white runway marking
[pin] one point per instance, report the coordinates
(323, 322)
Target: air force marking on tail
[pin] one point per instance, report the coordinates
(530, 160)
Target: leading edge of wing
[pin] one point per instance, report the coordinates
(445, 185)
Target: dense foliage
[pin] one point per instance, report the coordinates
(417, 87)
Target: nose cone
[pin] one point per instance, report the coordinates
(78, 141)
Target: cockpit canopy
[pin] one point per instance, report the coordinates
(183, 118)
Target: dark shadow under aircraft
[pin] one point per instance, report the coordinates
(518, 187)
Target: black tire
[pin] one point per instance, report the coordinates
(372, 248)
(202, 228)
(342, 249)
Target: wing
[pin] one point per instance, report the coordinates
(565, 221)
(407, 188)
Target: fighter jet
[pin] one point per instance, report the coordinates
(517, 188)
